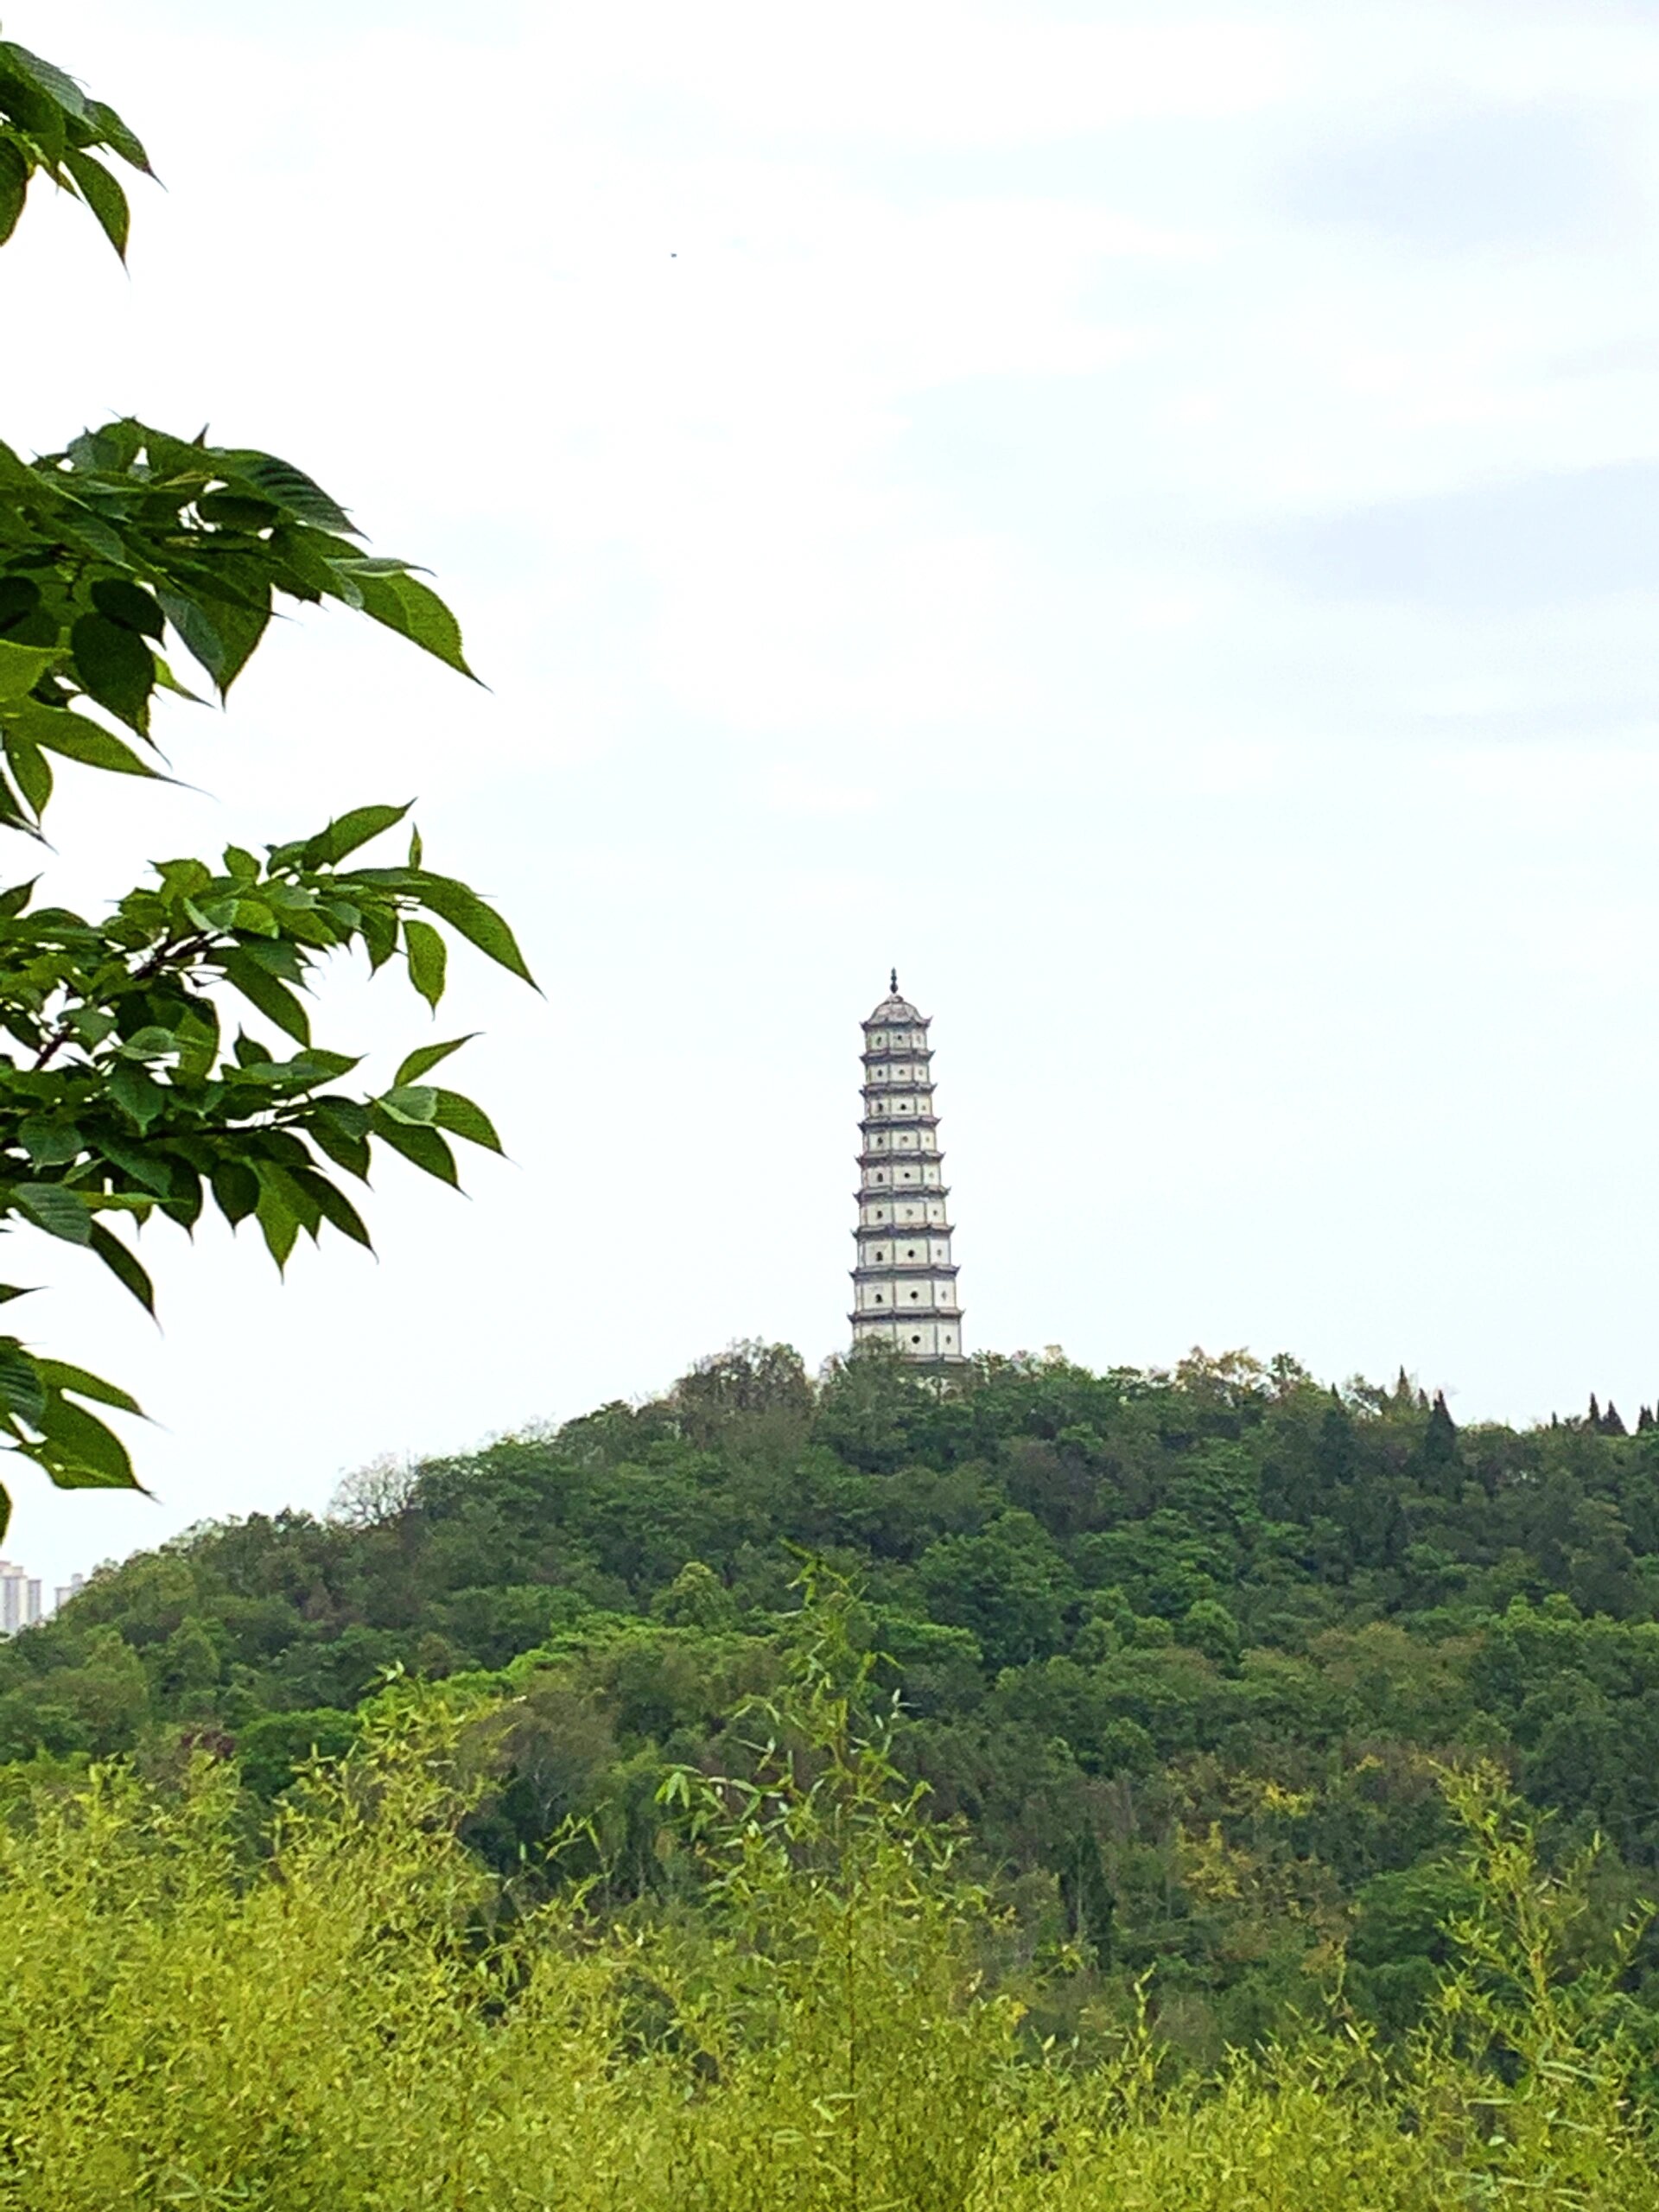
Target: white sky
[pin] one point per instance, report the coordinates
(1146, 517)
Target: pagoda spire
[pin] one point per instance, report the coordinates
(904, 1283)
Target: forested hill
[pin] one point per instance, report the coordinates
(1185, 1650)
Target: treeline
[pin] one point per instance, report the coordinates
(1186, 1655)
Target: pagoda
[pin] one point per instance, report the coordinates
(905, 1284)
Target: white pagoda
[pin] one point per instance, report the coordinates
(905, 1284)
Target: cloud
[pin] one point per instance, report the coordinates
(1525, 543)
(1503, 176)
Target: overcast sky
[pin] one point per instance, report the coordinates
(1145, 516)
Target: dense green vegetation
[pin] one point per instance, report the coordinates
(1184, 1654)
(348, 2011)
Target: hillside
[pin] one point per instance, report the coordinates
(1184, 1651)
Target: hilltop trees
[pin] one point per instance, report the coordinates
(1186, 1652)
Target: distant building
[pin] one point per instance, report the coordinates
(65, 1591)
(905, 1284)
(20, 1598)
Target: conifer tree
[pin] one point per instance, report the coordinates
(1440, 1437)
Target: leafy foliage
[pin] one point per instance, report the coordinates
(350, 2013)
(127, 1084)
(48, 124)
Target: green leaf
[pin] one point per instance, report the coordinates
(414, 610)
(56, 1210)
(459, 906)
(102, 195)
(197, 1044)
(31, 766)
(334, 1205)
(58, 86)
(60, 730)
(344, 835)
(236, 1188)
(339, 1130)
(21, 1391)
(277, 1223)
(37, 119)
(85, 530)
(306, 1070)
(411, 1103)
(463, 1118)
(276, 957)
(62, 1377)
(22, 668)
(114, 666)
(20, 608)
(125, 603)
(80, 1452)
(427, 1058)
(127, 1270)
(288, 486)
(166, 681)
(289, 1193)
(50, 1141)
(151, 1171)
(223, 642)
(379, 928)
(136, 1093)
(149, 1043)
(429, 957)
(423, 1148)
(235, 510)
(14, 814)
(261, 988)
(110, 451)
(116, 136)
(14, 186)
